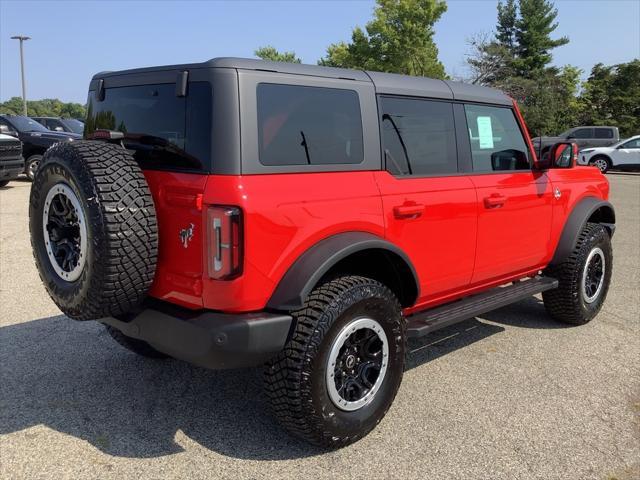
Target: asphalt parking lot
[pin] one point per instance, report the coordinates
(510, 395)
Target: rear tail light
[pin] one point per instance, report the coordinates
(224, 240)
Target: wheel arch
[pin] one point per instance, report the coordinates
(589, 209)
(355, 253)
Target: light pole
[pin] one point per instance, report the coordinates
(22, 39)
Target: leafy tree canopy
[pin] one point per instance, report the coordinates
(270, 53)
(399, 39)
(48, 107)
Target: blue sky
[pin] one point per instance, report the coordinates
(72, 40)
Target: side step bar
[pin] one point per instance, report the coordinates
(431, 320)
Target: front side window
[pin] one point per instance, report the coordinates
(604, 133)
(300, 125)
(418, 136)
(582, 133)
(635, 143)
(496, 140)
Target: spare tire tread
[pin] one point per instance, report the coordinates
(124, 228)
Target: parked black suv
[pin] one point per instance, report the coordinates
(11, 161)
(35, 139)
(57, 124)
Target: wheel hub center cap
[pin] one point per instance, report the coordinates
(350, 362)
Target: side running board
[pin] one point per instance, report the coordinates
(431, 320)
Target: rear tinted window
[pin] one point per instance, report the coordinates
(418, 136)
(604, 133)
(166, 131)
(300, 125)
(497, 143)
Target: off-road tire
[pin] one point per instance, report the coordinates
(28, 170)
(133, 344)
(295, 380)
(566, 303)
(120, 223)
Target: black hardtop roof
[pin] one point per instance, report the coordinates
(389, 83)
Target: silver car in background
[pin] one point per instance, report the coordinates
(624, 155)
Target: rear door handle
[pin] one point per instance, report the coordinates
(495, 201)
(413, 210)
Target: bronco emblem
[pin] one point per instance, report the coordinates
(186, 234)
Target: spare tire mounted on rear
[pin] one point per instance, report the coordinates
(93, 229)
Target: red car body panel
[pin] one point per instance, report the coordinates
(463, 233)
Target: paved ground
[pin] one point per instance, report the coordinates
(511, 395)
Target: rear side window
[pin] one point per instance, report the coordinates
(166, 131)
(497, 143)
(418, 136)
(604, 133)
(300, 125)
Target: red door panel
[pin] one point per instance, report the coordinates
(514, 223)
(434, 221)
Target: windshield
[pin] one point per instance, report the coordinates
(25, 124)
(76, 126)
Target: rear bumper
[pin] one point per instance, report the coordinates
(209, 339)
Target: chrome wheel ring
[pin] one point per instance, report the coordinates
(65, 232)
(593, 275)
(357, 364)
(33, 168)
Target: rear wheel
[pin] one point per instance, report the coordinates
(584, 278)
(339, 373)
(601, 163)
(4, 183)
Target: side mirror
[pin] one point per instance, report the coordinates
(564, 155)
(7, 131)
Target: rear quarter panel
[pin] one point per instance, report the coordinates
(284, 215)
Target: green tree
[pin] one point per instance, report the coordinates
(270, 53)
(399, 39)
(48, 107)
(611, 96)
(533, 30)
(506, 28)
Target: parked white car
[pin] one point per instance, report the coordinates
(624, 154)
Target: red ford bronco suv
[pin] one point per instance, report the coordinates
(238, 212)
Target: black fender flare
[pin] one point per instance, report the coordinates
(578, 218)
(305, 273)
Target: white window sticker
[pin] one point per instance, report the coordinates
(485, 132)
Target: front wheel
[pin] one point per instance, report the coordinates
(584, 278)
(31, 166)
(4, 183)
(601, 163)
(338, 375)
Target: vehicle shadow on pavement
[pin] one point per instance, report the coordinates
(72, 377)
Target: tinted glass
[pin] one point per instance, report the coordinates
(582, 133)
(300, 125)
(497, 143)
(604, 133)
(26, 124)
(418, 136)
(632, 144)
(165, 131)
(76, 126)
